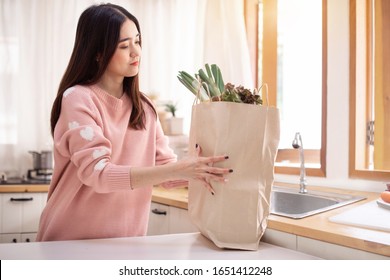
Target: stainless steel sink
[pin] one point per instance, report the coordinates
(288, 202)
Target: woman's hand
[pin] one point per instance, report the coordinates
(190, 168)
(202, 169)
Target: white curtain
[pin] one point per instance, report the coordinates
(37, 36)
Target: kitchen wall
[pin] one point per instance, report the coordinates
(39, 38)
(338, 107)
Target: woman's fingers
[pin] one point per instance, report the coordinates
(208, 186)
(211, 159)
(207, 172)
(217, 170)
(206, 183)
(197, 149)
(216, 158)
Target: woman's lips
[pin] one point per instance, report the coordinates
(135, 63)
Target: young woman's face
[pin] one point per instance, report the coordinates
(125, 61)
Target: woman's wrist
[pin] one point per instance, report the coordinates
(150, 176)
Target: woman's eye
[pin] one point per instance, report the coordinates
(123, 47)
(137, 42)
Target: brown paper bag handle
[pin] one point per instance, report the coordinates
(197, 96)
(196, 101)
(266, 92)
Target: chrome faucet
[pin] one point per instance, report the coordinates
(297, 144)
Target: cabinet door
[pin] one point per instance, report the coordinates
(10, 238)
(158, 219)
(28, 237)
(331, 251)
(180, 221)
(20, 212)
(279, 238)
(11, 213)
(31, 211)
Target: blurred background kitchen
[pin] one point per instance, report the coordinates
(36, 40)
(309, 52)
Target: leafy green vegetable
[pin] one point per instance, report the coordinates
(209, 86)
(192, 84)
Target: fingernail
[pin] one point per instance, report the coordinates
(226, 157)
(230, 170)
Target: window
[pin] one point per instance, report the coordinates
(369, 87)
(9, 69)
(291, 58)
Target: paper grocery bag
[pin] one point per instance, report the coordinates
(236, 216)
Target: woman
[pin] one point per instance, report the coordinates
(109, 148)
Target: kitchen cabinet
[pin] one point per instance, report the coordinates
(17, 237)
(284, 231)
(20, 213)
(333, 251)
(158, 219)
(317, 248)
(166, 219)
(280, 238)
(181, 221)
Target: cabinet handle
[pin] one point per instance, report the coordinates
(159, 212)
(22, 199)
(14, 240)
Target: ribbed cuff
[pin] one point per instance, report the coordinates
(119, 177)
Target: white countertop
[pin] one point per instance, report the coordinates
(188, 246)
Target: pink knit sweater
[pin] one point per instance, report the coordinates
(90, 194)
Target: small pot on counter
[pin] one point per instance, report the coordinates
(42, 160)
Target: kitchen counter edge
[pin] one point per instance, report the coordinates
(315, 227)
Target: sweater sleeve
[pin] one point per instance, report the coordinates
(164, 154)
(79, 136)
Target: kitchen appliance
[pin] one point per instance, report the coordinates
(42, 166)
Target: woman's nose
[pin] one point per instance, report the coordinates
(134, 52)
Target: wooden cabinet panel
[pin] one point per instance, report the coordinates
(31, 212)
(28, 237)
(11, 212)
(166, 219)
(316, 248)
(279, 238)
(158, 219)
(20, 214)
(10, 238)
(180, 221)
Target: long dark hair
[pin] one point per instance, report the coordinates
(97, 36)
